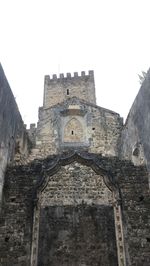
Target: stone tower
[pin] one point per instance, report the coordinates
(82, 87)
(70, 118)
(72, 200)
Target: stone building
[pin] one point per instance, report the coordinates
(74, 189)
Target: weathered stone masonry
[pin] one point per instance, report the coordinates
(82, 86)
(75, 200)
(135, 140)
(13, 136)
(24, 183)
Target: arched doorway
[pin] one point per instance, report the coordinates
(77, 219)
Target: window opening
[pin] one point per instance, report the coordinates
(6, 238)
(141, 198)
(73, 131)
(136, 152)
(67, 91)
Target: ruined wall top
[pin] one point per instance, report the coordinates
(135, 137)
(58, 89)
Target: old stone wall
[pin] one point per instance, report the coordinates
(57, 90)
(75, 124)
(75, 184)
(77, 235)
(136, 215)
(63, 215)
(16, 217)
(13, 136)
(77, 212)
(135, 141)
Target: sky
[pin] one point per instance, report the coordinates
(45, 37)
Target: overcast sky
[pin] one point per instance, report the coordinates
(40, 37)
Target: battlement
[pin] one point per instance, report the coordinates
(59, 88)
(69, 75)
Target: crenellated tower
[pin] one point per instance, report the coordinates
(59, 89)
(70, 118)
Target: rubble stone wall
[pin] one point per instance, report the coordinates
(77, 124)
(62, 220)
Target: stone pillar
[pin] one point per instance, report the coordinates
(35, 234)
(119, 233)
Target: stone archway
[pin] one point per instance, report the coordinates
(77, 198)
(73, 131)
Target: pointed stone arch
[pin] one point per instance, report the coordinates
(73, 131)
(90, 161)
(84, 159)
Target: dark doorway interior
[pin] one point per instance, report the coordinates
(77, 236)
